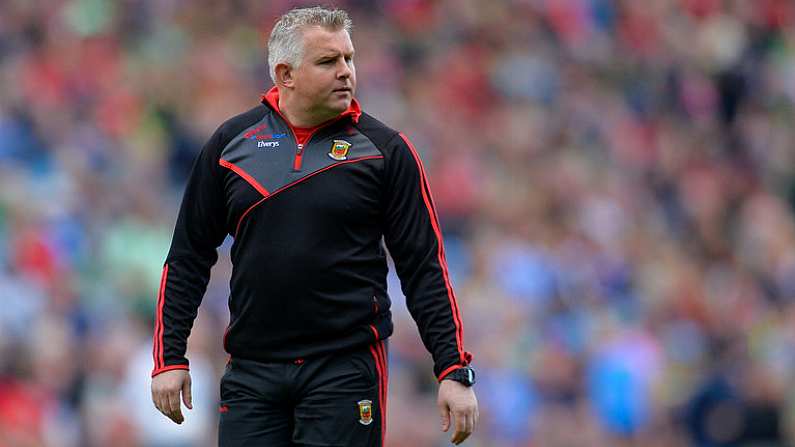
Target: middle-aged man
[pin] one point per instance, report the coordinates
(308, 185)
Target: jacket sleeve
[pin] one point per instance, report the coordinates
(199, 230)
(414, 239)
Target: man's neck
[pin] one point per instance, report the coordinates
(299, 117)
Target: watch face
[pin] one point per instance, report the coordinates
(470, 375)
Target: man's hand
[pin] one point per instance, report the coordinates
(459, 402)
(166, 387)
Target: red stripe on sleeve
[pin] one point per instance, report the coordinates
(428, 199)
(156, 332)
(155, 337)
(159, 329)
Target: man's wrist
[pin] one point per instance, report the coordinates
(169, 368)
(464, 375)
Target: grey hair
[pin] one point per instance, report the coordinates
(286, 44)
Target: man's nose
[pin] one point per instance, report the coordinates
(345, 70)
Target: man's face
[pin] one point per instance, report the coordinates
(326, 78)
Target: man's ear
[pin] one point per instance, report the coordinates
(284, 75)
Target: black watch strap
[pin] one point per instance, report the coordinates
(464, 375)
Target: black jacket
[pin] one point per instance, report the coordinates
(309, 273)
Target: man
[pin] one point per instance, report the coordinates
(308, 184)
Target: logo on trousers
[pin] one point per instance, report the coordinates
(365, 412)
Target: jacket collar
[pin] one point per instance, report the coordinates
(271, 99)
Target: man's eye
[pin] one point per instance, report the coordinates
(326, 62)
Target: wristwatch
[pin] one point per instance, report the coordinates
(465, 376)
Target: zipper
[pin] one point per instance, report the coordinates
(299, 153)
(375, 305)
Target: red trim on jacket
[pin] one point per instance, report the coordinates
(289, 185)
(464, 357)
(169, 368)
(242, 216)
(157, 348)
(304, 134)
(239, 171)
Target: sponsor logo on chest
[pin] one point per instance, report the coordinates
(264, 140)
(267, 144)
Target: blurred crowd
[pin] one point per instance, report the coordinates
(615, 181)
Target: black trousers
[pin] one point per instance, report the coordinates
(332, 400)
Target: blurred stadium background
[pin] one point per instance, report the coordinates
(615, 178)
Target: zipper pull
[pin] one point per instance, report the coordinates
(298, 155)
